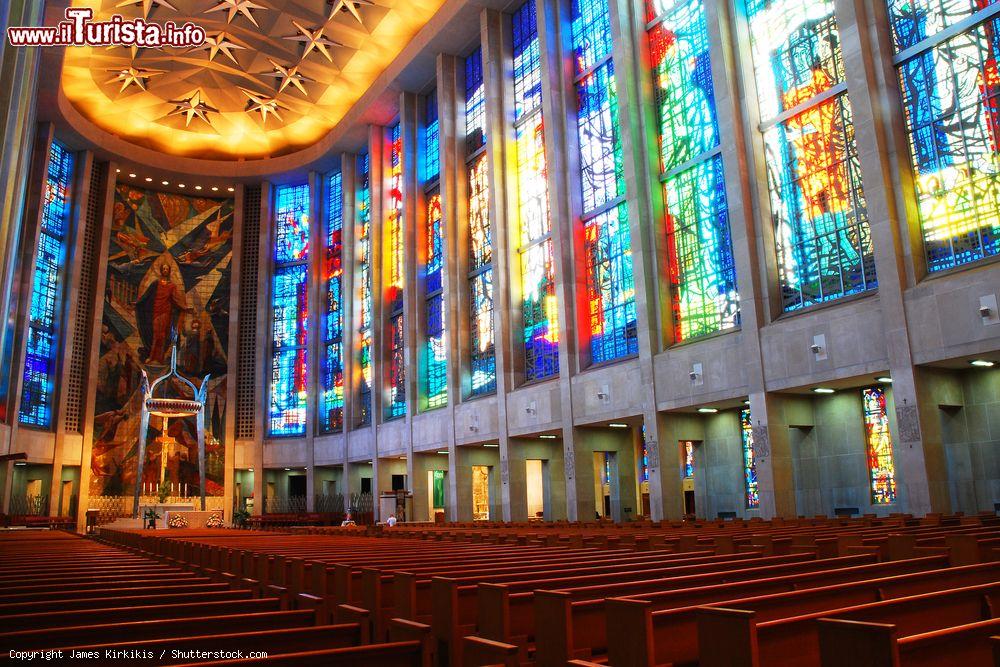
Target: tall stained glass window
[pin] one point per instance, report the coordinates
(540, 321)
(752, 497)
(881, 467)
(435, 358)
(331, 400)
(823, 242)
(363, 203)
(687, 448)
(290, 307)
(394, 254)
(50, 255)
(950, 88)
(606, 234)
(702, 275)
(482, 357)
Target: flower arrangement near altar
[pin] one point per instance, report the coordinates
(215, 521)
(177, 521)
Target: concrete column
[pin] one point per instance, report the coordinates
(378, 180)
(454, 210)
(411, 123)
(232, 356)
(774, 475)
(561, 153)
(348, 172)
(265, 269)
(315, 294)
(68, 320)
(103, 238)
(499, 88)
(921, 468)
(637, 121)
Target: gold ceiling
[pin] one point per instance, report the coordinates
(273, 77)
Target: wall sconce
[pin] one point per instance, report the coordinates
(530, 408)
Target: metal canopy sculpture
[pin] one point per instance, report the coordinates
(167, 408)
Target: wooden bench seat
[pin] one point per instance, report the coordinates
(845, 643)
(89, 604)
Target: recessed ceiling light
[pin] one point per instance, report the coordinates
(885, 379)
(231, 189)
(149, 179)
(131, 175)
(165, 182)
(249, 469)
(547, 436)
(215, 189)
(21, 463)
(708, 411)
(491, 444)
(370, 462)
(197, 187)
(180, 185)
(618, 425)
(442, 452)
(118, 171)
(287, 468)
(402, 458)
(746, 402)
(982, 363)
(822, 390)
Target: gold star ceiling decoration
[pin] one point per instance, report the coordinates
(235, 7)
(220, 42)
(263, 105)
(132, 75)
(147, 5)
(192, 107)
(351, 6)
(272, 78)
(313, 39)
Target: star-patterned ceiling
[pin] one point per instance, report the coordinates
(273, 76)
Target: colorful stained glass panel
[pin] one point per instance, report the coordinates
(881, 465)
(751, 488)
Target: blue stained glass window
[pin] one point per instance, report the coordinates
(50, 255)
(752, 497)
(435, 353)
(39, 362)
(475, 103)
(290, 316)
(824, 246)
(432, 138)
(610, 286)
(704, 298)
(482, 343)
(363, 203)
(332, 371)
(527, 60)
(591, 33)
(950, 85)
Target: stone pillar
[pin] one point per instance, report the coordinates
(315, 297)
(499, 88)
(411, 124)
(348, 173)
(232, 356)
(454, 211)
(265, 269)
(378, 181)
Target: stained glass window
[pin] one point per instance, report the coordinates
(950, 87)
(396, 399)
(704, 298)
(881, 468)
(436, 354)
(331, 403)
(363, 203)
(290, 308)
(824, 245)
(607, 237)
(40, 348)
(540, 324)
(688, 451)
(482, 345)
(752, 497)
(644, 458)
(432, 138)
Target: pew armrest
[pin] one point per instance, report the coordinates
(405, 630)
(315, 603)
(477, 651)
(346, 613)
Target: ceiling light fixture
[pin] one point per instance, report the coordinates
(547, 436)
(884, 379)
(180, 185)
(215, 189)
(708, 411)
(197, 187)
(443, 453)
(231, 189)
(491, 444)
(822, 390)
(618, 425)
(131, 175)
(982, 363)
(165, 182)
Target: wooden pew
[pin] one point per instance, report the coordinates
(845, 643)
(794, 641)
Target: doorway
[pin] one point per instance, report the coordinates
(687, 484)
(535, 481)
(480, 493)
(66, 501)
(605, 483)
(436, 497)
(296, 486)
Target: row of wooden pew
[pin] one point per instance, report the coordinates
(59, 591)
(716, 593)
